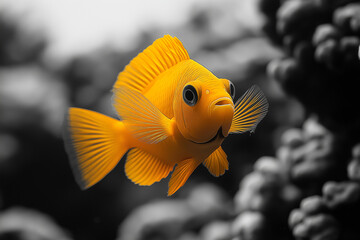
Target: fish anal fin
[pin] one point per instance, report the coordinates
(250, 109)
(217, 162)
(146, 121)
(182, 172)
(164, 53)
(145, 169)
(94, 145)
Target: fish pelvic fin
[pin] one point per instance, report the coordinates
(164, 53)
(145, 120)
(145, 169)
(93, 143)
(217, 162)
(250, 109)
(181, 174)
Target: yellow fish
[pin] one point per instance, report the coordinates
(173, 112)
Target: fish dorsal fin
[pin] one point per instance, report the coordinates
(164, 53)
(145, 169)
(217, 162)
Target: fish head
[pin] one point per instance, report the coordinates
(205, 109)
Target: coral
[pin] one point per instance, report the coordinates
(264, 189)
(249, 226)
(308, 162)
(168, 219)
(264, 200)
(256, 193)
(165, 219)
(311, 154)
(337, 194)
(309, 222)
(216, 230)
(330, 216)
(321, 41)
(28, 224)
(354, 165)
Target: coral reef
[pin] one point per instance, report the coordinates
(169, 219)
(321, 41)
(26, 224)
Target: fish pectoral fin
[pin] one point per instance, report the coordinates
(145, 169)
(250, 109)
(181, 174)
(144, 119)
(217, 162)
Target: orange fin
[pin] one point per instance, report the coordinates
(250, 109)
(164, 53)
(181, 174)
(217, 162)
(143, 118)
(145, 169)
(93, 144)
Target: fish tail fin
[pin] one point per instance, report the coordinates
(94, 145)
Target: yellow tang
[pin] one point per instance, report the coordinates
(173, 112)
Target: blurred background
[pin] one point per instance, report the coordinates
(297, 177)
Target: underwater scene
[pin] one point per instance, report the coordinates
(190, 120)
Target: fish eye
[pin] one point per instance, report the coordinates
(232, 89)
(190, 95)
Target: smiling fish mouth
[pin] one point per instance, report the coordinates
(218, 134)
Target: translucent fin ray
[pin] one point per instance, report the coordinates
(164, 53)
(145, 121)
(217, 162)
(93, 144)
(250, 109)
(145, 169)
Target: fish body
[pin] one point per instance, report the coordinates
(175, 148)
(174, 113)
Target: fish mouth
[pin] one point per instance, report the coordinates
(219, 134)
(221, 102)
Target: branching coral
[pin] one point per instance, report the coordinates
(321, 41)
